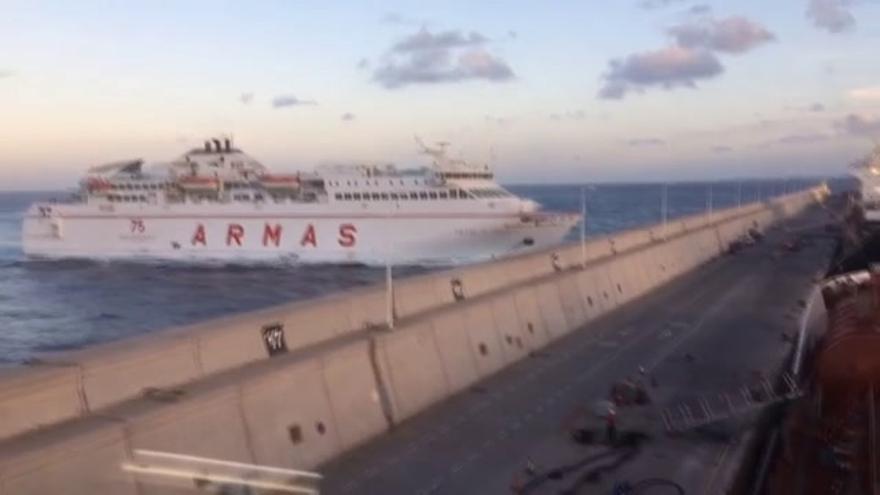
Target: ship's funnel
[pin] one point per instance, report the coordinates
(207, 145)
(217, 145)
(228, 144)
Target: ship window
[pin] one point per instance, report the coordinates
(347, 196)
(432, 195)
(384, 195)
(416, 181)
(394, 196)
(338, 196)
(443, 195)
(355, 182)
(403, 196)
(375, 196)
(453, 194)
(258, 197)
(401, 182)
(462, 194)
(414, 195)
(423, 195)
(356, 196)
(348, 183)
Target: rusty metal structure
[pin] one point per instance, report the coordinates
(829, 438)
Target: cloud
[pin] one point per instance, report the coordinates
(833, 16)
(674, 66)
(816, 107)
(448, 56)
(6, 73)
(692, 56)
(500, 121)
(347, 117)
(867, 93)
(734, 34)
(290, 101)
(699, 9)
(645, 142)
(363, 63)
(570, 115)
(246, 98)
(656, 4)
(806, 138)
(395, 18)
(424, 40)
(721, 149)
(858, 125)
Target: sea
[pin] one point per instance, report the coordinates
(56, 305)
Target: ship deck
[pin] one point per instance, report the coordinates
(710, 330)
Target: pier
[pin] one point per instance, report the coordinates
(465, 380)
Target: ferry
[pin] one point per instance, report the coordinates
(218, 203)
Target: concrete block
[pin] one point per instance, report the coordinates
(513, 334)
(532, 326)
(354, 396)
(288, 416)
(122, 370)
(367, 307)
(415, 371)
(414, 295)
(38, 396)
(485, 342)
(227, 343)
(631, 239)
(205, 423)
(551, 309)
(608, 282)
(452, 339)
(592, 284)
(78, 459)
(571, 300)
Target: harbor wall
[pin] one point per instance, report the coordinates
(218, 389)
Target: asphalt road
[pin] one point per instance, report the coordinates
(709, 331)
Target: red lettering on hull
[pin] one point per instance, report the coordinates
(347, 233)
(272, 235)
(309, 237)
(199, 237)
(234, 234)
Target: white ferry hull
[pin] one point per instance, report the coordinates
(319, 236)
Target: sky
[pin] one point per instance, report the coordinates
(553, 92)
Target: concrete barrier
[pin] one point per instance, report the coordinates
(411, 359)
(126, 369)
(513, 334)
(455, 349)
(351, 383)
(552, 312)
(34, 397)
(80, 459)
(486, 344)
(571, 301)
(288, 416)
(532, 328)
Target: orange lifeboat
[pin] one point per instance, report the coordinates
(98, 185)
(285, 182)
(195, 183)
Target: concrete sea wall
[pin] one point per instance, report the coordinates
(297, 384)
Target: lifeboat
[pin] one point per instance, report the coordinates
(98, 185)
(279, 182)
(195, 183)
